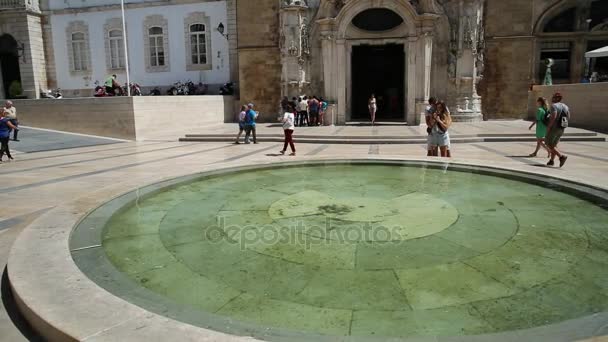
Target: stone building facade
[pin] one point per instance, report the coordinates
(479, 56)
(22, 58)
(521, 34)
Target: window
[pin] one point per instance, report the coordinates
(377, 19)
(79, 51)
(156, 43)
(198, 44)
(198, 49)
(560, 52)
(157, 50)
(563, 22)
(117, 52)
(77, 38)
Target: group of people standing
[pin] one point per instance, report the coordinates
(308, 111)
(551, 122)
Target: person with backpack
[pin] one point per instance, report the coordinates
(250, 117)
(541, 125)
(559, 116)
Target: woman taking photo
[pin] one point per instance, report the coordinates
(541, 128)
(288, 121)
(5, 129)
(373, 107)
(440, 137)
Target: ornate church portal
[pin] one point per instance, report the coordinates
(402, 51)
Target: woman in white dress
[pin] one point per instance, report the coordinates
(373, 107)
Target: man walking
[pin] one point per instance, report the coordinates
(250, 118)
(560, 115)
(11, 114)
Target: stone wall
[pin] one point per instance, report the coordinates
(509, 58)
(132, 118)
(108, 117)
(587, 102)
(259, 55)
(507, 78)
(156, 116)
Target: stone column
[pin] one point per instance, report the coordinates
(466, 61)
(341, 81)
(295, 48)
(427, 47)
(328, 67)
(412, 54)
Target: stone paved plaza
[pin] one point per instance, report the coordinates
(443, 272)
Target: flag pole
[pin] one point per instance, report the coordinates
(124, 38)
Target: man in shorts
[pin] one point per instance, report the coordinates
(560, 115)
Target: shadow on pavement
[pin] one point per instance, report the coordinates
(13, 312)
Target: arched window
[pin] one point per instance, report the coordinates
(599, 16)
(563, 22)
(198, 44)
(79, 53)
(157, 50)
(377, 19)
(117, 52)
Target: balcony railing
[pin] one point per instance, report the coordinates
(19, 4)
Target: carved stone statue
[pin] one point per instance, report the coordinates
(301, 3)
(548, 77)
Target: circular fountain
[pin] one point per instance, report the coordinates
(371, 250)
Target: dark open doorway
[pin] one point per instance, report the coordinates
(9, 62)
(379, 70)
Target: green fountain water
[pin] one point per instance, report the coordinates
(364, 250)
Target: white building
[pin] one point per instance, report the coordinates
(168, 41)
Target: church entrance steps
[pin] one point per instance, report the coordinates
(381, 140)
(487, 131)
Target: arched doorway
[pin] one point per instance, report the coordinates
(378, 68)
(384, 47)
(9, 63)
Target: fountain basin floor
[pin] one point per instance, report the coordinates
(367, 250)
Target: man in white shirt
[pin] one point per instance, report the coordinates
(303, 110)
(11, 114)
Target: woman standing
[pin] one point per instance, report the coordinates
(373, 107)
(288, 121)
(541, 128)
(5, 129)
(241, 120)
(440, 136)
